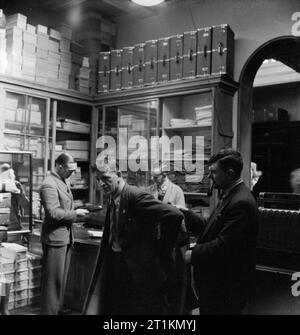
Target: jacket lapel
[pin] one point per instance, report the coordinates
(64, 187)
(123, 209)
(219, 209)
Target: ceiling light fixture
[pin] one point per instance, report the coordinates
(148, 3)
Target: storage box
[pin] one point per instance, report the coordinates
(189, 54)
(127, 68)
(76, 126)
(138, 65)
(54, 34)
(150, 62)
(204, 46)
(13, 251)
(21, 274)
(6, 264)
(115, 70)
(65, 31)
(16, 20)
(222, 50)
(176, 50)
(5, 198)
(42, 29)
(104, 72)
(163, 60)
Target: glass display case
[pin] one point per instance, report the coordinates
(26, 123)
(16, 191)
(129, 126)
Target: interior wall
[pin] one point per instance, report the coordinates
(253, 21)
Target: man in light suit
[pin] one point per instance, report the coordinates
(135, 257)
(224, 256)
(164, 189)
(56, 233)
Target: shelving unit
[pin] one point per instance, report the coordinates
(28, 113)
(174, 100)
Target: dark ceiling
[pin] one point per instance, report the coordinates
(108, 8)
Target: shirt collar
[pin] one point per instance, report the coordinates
(227, 191)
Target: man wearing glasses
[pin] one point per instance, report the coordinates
(56, 235)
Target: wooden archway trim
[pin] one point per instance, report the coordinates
(285, 49)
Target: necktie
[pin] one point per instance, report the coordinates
(113, 220)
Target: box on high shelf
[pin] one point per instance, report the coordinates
(150, 62)
(189, 54)
(77, 48)
(41, 29)
(176, 59)
(29, 37)
(64, 45)
(104, 71)
(163, 60)
(204, 46)
(127, 68)
(54, 34)
(16, 20)
(138, 64)
(42, 41)
(115, 70)
(53, 45)
(222, 50)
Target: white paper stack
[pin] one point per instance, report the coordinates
(203, 115)
(181, 122)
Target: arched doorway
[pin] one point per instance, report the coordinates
(285, 49)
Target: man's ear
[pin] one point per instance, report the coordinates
(231, 173)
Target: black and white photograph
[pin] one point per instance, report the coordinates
(149, 161)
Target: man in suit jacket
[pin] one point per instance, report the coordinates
(56, 233)
(135, 257)
(224, 256)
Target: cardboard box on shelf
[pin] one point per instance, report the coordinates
(55, 34)
(17, 20)
(30, 28)
(13, 251)
(42, 41)
(41, 29)
(41, 53)
(5, 200)
(53, 45)
(29, 37)
(64, 45)
(74, 145)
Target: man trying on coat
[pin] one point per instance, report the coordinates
(135, 257)
(224, 256)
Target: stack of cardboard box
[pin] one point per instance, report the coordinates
(77, 58)
(22, 270)
(15, 25)
(53, 56)
(65, 55)
(29, 52)
(42, 49)
(82, 79)
(2, 51)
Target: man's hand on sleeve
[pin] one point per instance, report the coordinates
(81, 212)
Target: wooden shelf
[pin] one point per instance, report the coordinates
(71, 131)
(185, 128)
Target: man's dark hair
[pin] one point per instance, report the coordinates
(228, 159)
(63, 159)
